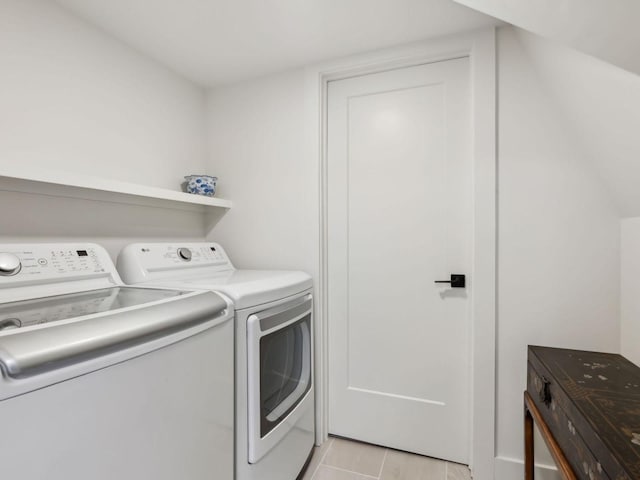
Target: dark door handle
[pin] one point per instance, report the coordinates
(458, 280)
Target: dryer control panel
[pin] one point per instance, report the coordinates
(140, 262)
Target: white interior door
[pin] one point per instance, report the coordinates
(399, 218)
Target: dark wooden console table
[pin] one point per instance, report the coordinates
(587, 408)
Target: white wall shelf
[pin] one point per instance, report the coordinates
(72, 185)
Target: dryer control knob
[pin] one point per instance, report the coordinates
(9, 264)
(184, 253)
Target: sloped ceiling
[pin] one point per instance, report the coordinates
(606, 29)
(587, 55)
(222, 41)
(602, 104)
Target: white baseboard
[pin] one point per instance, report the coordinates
(513, 469)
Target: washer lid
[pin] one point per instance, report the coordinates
(37, 311)
(43, 348)
(248, 288)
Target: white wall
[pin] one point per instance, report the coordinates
(558, 267)
(602, 103)
(258, 151)
(630, 294)
(38, 218)
(74, 99)
(558, 234)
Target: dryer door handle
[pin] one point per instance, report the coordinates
(284, 314)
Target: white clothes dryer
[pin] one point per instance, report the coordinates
(99, 380)
(274, 348)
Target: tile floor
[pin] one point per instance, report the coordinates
(341, 459)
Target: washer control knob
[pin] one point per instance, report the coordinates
(184, 253)
(9, 264)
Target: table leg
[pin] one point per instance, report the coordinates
(528, 444)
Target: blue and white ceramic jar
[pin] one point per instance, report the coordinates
(201, 184)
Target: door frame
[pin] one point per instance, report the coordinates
(480, 47)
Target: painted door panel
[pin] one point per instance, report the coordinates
(400, 217)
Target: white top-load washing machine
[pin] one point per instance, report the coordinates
(274, 342)
(102, 381)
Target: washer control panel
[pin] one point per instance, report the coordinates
(146, 261)
(55, 262)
